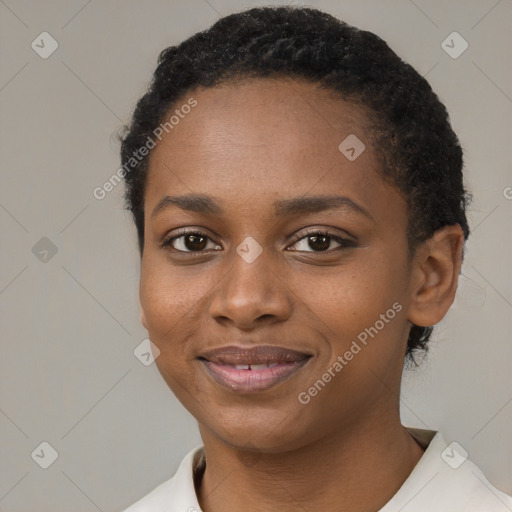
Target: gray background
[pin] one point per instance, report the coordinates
(70, 323)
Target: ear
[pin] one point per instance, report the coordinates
(436, 267)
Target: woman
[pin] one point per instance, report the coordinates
(297, 192)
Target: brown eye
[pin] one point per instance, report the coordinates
(195, 242)
(319, 242)
(190, 242)
(322, 242)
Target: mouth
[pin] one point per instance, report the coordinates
(255, 369)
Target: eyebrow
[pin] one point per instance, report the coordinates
(205, 204)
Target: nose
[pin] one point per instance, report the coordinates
(251, 293)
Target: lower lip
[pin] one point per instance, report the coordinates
(248, 381)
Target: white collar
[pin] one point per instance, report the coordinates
(432, 486)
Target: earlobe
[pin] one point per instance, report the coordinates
(435, 276)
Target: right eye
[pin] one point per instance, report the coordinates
(190, 241)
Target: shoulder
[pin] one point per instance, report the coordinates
(175, 494)
(445, 480)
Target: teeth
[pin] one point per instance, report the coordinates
(262, 366)
(258, 366)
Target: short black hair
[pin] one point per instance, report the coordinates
(410, 128)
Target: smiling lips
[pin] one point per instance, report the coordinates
(252, 369)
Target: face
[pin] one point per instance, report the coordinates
(295, 246)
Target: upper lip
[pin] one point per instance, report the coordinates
(261, 354)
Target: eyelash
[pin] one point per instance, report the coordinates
(344, 243)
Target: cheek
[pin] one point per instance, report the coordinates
(166, 302)
(366, 305)
(166, 293)
(174, 300)
(171, 306)
(363, 289)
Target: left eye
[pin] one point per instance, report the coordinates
(320, 242)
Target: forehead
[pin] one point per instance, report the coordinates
(265, 138)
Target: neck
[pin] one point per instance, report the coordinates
(334, 473)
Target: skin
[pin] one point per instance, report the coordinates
(248, 144)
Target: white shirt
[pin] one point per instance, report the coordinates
(443, 480)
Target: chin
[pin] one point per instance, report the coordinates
(261, 432)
